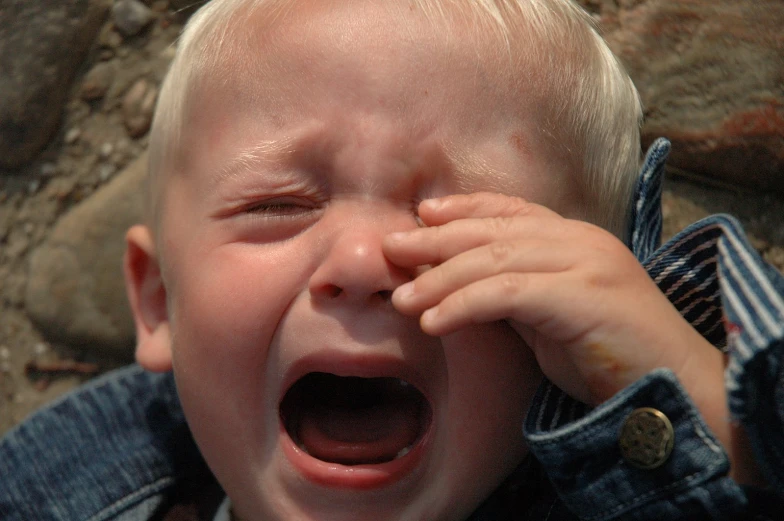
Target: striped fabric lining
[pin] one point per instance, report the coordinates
(685, 271)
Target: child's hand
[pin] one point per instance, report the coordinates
(577, 296)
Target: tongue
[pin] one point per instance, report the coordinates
(372, 429)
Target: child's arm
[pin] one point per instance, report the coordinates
(593, 317)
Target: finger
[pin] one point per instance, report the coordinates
(436, 244)
(528, 256)
(531, 299)
(435, 212)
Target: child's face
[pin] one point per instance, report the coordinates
(271, 235)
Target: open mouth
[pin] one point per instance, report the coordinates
(353, 421)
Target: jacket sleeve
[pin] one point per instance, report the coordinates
(736, 301)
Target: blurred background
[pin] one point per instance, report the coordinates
(78, 85)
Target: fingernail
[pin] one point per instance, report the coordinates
(432, 204)
(430, 315)
(397, 236)
(405, 291)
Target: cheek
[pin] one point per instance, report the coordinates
(225, 309)
(229, 300)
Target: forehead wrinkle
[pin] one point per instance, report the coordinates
(471, 171)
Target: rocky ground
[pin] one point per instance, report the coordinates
(104, 128)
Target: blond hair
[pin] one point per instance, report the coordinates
(594, 114)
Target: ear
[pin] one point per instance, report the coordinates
(147, 295)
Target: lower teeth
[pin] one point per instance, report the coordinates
(403, 452)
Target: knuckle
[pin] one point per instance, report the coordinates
(500, 253)
(515, 206)
(437, 238)
(439, 277)
(460, 303)
(502, 204)
(499, 226)
(511, 284)
(596, 280)
(602, 275)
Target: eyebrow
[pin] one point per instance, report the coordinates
(260, 153)
(469, 168)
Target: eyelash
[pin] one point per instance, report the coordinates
(281, 208)
(294, 208)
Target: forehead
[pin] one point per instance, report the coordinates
(351, 65)
(385, 48)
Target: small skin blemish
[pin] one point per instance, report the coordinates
(601, 358)
(517, 141)
(606, 375)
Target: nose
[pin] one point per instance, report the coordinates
(354, 269)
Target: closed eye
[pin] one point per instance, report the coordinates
(281, 208)
(274, 219)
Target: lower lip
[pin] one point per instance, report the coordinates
(355, 477)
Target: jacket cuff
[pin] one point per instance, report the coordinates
(584, 462)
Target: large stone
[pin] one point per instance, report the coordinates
(131, 16)
(42, 45)
(711, 76)
(75, 292)
(138, 106)
(97, 81)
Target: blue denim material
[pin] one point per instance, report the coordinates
(586, 466)
(113, 450)
(119, 447)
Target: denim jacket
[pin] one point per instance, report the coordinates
(119, 447)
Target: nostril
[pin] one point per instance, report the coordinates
(326, 291)
(385, 294)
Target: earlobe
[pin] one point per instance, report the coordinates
(147, 296)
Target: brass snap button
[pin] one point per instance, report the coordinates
(647, 438)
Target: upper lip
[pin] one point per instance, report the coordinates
(364, 366)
